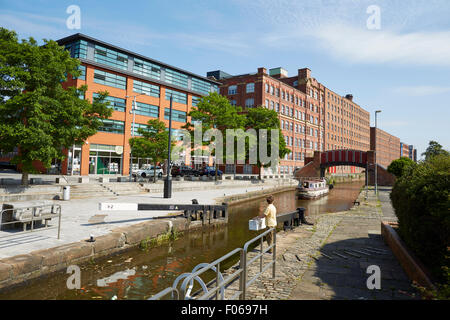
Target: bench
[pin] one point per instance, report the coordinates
(28, 213)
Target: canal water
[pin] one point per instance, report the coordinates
(138, 274)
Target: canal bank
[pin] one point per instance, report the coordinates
(138, 274)
(118, 233)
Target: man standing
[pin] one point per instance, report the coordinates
(270, 214)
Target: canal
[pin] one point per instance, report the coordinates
(138, 274)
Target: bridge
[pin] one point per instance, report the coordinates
(316, 166)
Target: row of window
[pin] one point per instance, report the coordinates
(117, 126)
(116, 59)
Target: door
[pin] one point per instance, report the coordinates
(92, 164)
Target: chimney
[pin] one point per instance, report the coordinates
(262, 70)
(304, 73)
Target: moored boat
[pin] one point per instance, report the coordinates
(312, 189)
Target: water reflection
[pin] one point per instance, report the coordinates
(139, 274)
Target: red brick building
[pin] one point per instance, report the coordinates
(312, 117)
(301, 115)
(387, 146)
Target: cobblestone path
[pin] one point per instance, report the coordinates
(330, 259)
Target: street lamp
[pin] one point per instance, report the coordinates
(133, 109)
(168, 181)
(376, 181)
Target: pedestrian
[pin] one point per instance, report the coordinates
(270, 214)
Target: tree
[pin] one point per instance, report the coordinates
(398, 167)
(434, 149)
(37, 115)
(153, 144)
(215, 112)
(262, 118)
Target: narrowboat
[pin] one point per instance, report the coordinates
(312, 189)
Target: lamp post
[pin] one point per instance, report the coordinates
(376, 165)
(168, 181)
(133, 109)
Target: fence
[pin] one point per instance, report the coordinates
(29, 214)
(220, 284)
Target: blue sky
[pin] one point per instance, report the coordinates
(403, 68)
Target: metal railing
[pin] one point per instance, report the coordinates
(29, 214)
(220, 283)
(260, 256)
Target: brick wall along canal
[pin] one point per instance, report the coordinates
(138, 274)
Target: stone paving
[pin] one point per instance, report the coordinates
(318, 263)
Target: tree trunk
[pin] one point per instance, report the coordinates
(154, 172)
(217, 168)
(24, 179)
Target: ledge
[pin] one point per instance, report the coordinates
(415, 270)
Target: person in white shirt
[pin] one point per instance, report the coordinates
(270, 214)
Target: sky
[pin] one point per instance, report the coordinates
(392, 55)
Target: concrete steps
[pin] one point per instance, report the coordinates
(89, 190)
(124, 188)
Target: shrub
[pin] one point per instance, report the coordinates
(420, 198)
(399, 166)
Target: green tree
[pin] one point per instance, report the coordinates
(37, 114)
(434, 149)
(262, 118)
(398, 167)
(215, 112)
(153, 143)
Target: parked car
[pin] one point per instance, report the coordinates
(149, 172)
(184, 171)
(210, 171)
(7, 165)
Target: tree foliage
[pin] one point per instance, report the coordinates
(153, 143)
(37, 114)
(215, 112)
(261, 118)
(421, 200)
(399, 166)
(434, 149)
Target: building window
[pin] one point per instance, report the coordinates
(179, 97)
(267, 103)
(147, 69)
(177, 115)
(78, 49)
(267, 87)
(250, 88)
(82, 76)
(195, 100)
(110, 79)
(249, 103)
(201, 86)
(146, 88)
(110, 57)
(147, 110)
(112, 126)
(135, 128)
(232, 90)
(233, 102)
(116, 104)
(176, 78)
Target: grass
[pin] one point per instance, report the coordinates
(169, 236)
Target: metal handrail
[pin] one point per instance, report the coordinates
(222, 283)
(260, 256)
(165, 292)
(34, 208)
(195, 275)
